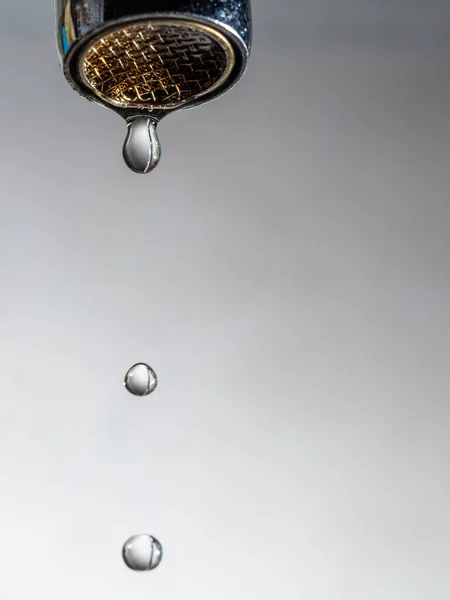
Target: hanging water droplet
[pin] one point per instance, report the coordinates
(142, 150)
(141, 380)
(142, 553)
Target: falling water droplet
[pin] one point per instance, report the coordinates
(142, 150)
(141, 380)
(142, 552)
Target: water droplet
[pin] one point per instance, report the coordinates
(142, 150)
(142, 552)
(141, 380)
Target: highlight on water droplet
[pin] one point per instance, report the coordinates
(141, 150)
(141, 380)
(142, 552)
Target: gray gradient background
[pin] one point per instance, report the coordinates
(285, 271)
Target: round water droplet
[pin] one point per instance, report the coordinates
(142, 150)
(142, 552)
(141, 380)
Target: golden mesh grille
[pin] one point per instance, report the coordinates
(157, 64)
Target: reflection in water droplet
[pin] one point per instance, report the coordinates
(141, 380)
(142, 553)
(142, 150)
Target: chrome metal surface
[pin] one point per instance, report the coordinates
(145, 59)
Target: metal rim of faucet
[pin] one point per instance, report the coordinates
(72, 61)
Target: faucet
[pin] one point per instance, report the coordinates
(144, 59)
